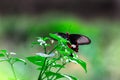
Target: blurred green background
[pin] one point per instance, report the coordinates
(19, 29)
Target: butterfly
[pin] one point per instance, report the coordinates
(75, 40)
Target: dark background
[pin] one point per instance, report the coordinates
(85, 8)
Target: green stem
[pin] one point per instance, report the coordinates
(49, 67)
(12, 67)
(40, 75)
(45, 68)
(53, 48)
(42, 72)
(58, 70)
(13, 70)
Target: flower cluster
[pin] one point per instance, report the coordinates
(41, 41)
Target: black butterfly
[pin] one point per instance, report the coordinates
(75, 40)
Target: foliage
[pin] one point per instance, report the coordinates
(51, 62)
(11, 59)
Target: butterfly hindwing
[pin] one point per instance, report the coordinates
(79, 39)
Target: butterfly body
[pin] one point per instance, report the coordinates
(75, 40)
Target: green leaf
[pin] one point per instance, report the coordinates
(58, 38)
(69, 77)
(78, 61)
(35, 43)
(15, 59)
(37, 60)
(1, 60)
(64, 53)
(54, 36)
(58, 66)
(39, 68)
(46, 38)
(2, 55)
(64, 50)
(57, 75)
(3, 51)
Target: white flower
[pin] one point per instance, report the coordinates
(45, 55)
(45, 44)
(61, 59)
(41, 41)
(53, 63)
(12, 53)
(52, 41)
(67, 60)
(56, 52)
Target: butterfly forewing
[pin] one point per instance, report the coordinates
(62, 35)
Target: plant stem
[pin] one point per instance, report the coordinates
(42, 72)
(54, 60)
(40, 75)
(13, 70)
(58, 70)
(53, 48)
(49, 65)
(51, 62)
(11, 64)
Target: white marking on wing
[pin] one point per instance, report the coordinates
(83, 39)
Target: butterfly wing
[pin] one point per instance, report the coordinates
(75, 40)
(79, 39)
(62, 35)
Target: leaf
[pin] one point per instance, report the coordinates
(1, 60)
(2, 55)
(54, 36)
(57, 75)
(35, 43)
(15, 59)
(58, 38)
(3, 51)
(82, 63)
(65, 53)
(64, 50)
(45, 55)
(39, 68)
(46, 38)
(37, 60)
(69, 77)
(58, 66)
